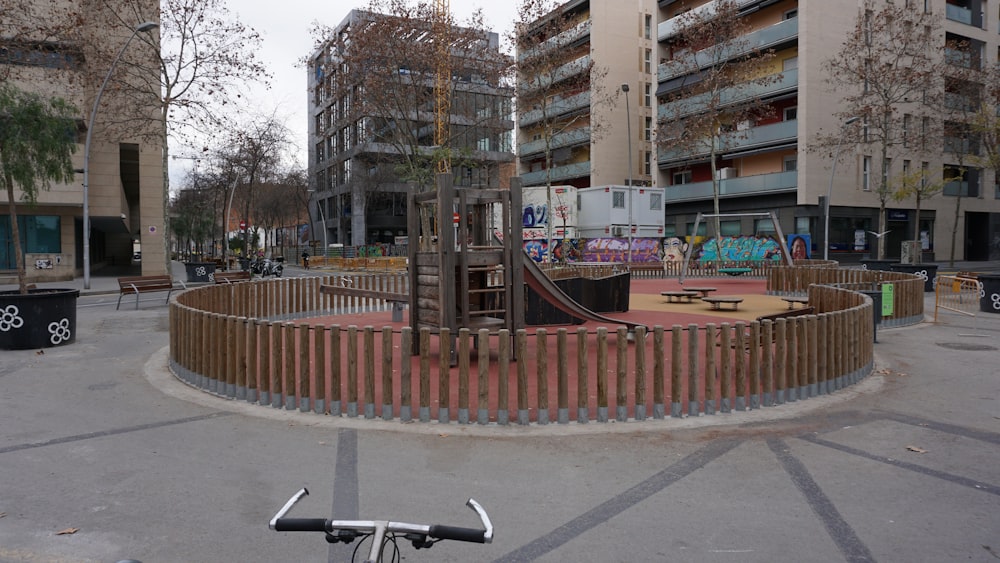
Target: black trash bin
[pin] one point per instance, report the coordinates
(926, 271)
(200, 271)
(989, 297)
(876, 295)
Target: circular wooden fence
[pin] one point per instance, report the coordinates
(260, 342)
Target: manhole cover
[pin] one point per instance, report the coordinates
(966, 347)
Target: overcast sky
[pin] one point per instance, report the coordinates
(284, 26)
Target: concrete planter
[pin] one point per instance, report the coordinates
(926, 271)
(989, 296)
(41, 319)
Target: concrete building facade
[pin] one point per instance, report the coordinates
(585, 120)
(355, 149)
(770, 165)
(126, 204)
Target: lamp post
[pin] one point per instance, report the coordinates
(141, 28)
(628, 121)
(225, 225)
(829, 190)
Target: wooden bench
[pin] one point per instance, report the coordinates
(144, 284)
(704, 291)
(717, 302)
(396, 299)
(735, 271)
(676, 296)
(793, 300)
(231, 277)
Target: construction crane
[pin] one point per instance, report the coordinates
(442, 80)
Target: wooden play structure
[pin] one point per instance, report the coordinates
(472, 276)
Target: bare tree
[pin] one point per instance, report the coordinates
(720, 71)
(552, 68)
(920, 184)
(204, 59)
(256, 152)
(394, 67)
(889, 73)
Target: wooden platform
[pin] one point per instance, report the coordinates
(792, 301)
(677, 296)
(717, 302)
(704, 291)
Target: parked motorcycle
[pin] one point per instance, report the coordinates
(265, 267)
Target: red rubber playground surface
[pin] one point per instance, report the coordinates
(646, 306)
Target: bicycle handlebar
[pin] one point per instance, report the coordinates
(438, 531)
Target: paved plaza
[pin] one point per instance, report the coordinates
(100, 439)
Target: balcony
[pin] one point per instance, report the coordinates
(766, 38)
(563, 40)
(669, 28)
(756, 138)
(958, 14)
(561, 73)
(761, 184)
(559, 174)
(681, 108)
(572, 138)
(557, 108)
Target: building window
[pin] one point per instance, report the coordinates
(791, 163)
(683, 177)
(866, 173)
(618, 199)
(907, 118)
(647, 61)
(40, 234)
(647, 97)
(791, 63)
(655, 201)
(791, 14)
(647, 30)
(764, 227)
(789, 114)
(648, 164)
(648, 133)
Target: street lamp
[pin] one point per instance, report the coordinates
(628, 120)
(141, 28)
(225, 225)
(829, 190)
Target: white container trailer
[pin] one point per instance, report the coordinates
(604, 212)
(535, 213)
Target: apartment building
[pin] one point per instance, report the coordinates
(126, 205)
(574, 115)
(369, 129)
(768, 165)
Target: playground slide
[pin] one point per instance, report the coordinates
(549, 291)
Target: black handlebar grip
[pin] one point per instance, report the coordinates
(300, 525)
(456, 533)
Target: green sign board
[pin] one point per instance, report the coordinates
(887, 290)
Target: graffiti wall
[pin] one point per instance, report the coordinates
(737, 249)
(603, 250)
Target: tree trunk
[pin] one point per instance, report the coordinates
(717, 223)
(954, 226)
(16, 236)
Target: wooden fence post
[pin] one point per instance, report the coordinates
(483, 386)
(319, 377)
(693, 370)
(305, 372)
(725, 368)
(444, 375)
(336, 371)
(659, 374)
(522, 377)
(405, 375)
(621, 370)
(711, 374)
(602, 374)
(754, 363)
(676, 346)
(352, 371)
(640, 373)
(464, 350)
(542, 374)
(388, 393)
(425, 375)
(562, 377)
(503, 373)
(582, 379)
